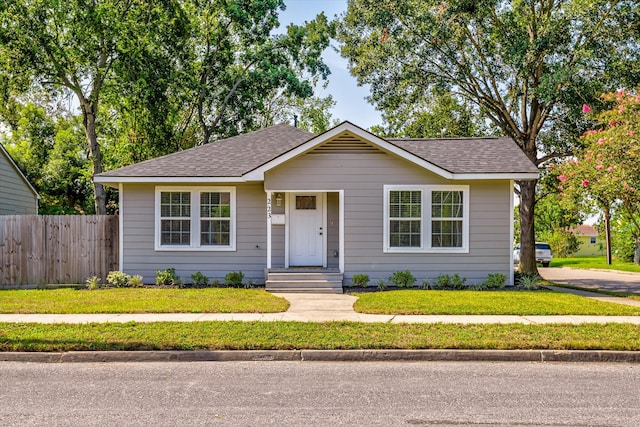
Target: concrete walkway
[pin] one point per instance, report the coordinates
(327, 308)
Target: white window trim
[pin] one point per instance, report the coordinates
(195, 219)
(425, 238)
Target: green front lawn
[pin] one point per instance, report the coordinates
(144, 300)
(486, 303)
(595, 262)
(296, 335)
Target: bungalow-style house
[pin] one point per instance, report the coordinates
(17, 195)
(590, 244)
(300, 211)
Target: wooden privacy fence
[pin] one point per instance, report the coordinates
(39, 249)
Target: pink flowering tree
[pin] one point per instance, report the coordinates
(607, 171)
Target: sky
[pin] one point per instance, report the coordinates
(349, 97)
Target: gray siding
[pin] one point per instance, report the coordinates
(16, 197)
(362, 177)
(140, 257)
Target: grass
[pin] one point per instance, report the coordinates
(595, 262)
(145, 300)
(486, 303)
(296, 335)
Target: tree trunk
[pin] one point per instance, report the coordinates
(527, 230)
(636, 253)
(89, 110)
(607, 229)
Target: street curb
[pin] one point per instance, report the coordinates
(567, 356)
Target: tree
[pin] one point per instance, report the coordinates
(552, 222)
(53, 155)
(607, 171)
(87, 48)
(527, 65)
(442, 115)
(237, 62)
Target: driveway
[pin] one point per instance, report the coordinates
(594, 279)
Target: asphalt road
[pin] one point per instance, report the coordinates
(319, 394)
(593, 279)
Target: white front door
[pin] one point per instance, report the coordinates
(306, 234)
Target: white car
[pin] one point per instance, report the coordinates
(543, 254)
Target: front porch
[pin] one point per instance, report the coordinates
(305, 241)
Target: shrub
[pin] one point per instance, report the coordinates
(448, 282)
(529, 281)
(118, 279)
(361, 280)
(199, 280)
(167, 277)
(495, 281)
(402, 279)
(381, 285)
(430, 285)
(234, 279)
(135, 281)
(93, 282)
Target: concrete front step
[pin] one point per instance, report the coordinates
(296, 281)
(307, 290)
(304, 277)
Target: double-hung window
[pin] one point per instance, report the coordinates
(426, 218)
(201, 218)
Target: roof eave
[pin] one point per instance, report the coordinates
(114, 181)
(522, 176)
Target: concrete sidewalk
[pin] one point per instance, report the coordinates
(325, 308)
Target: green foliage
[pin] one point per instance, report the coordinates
(451, 282)
(167, 277)
(607, 171)
(135, 281)
(495, 281)
(239, 63)
(361, 280)
(562, 242)
(93, 282)
(529, 281)
(553, 218)
(444, 115)
(118, 279)
(402, 279)
(90, 50)
(50, 151)
(623, 241)
(381, 285)
(527, 66)
(199, 280)
(234, 279)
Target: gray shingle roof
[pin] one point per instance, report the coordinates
(470, 155)
(231, 157)
(236, 156)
